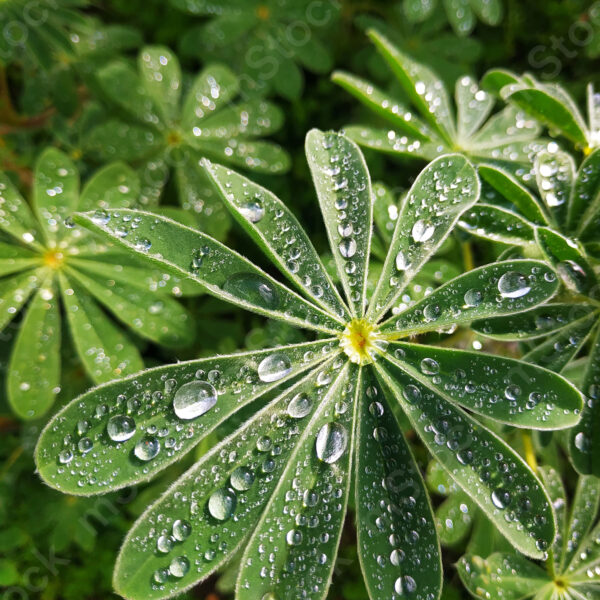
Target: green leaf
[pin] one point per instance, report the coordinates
(313, 488)
(14, 259)
(421, 85)
(586, 198)
(510, 125)
(343, 186)
(506, 576)
(555, 174)
(473, 105)
(443, 190)
(103, 348)
(493, 475)
(489, 11)
(568, 257)
(16, 218)
(531, 324)
(221, 271)
(495, 79)
(503, 389)
(497, 225)
(585, 439)
(460, 16)
(417, 11)
(271, 225)
(34, 369)
(383, 104)
(15, 291)
(117, 140)
(113, 186)
(55, 192)
(397, 542)
(512, 190)
(161, 75)
(147, 399)
(454, 518)
(494, 290)
(545, 105)
(556, 490)
(220, 509)
(158, 318)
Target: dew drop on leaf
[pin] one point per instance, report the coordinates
(347, 247)
(181, 530)
(253, 211)
(120, 428)
(294, 537)
(242, 479)
(194, 399)
(164, 544)
(274, 367)
(85, 445)
(222, 503)
(422, 231)
(401, 261)
(147, 448)
(501, 498)
(254, 289)
(473, 298)
(179, 566)
(513, 285)
(65, 456)
(405, 585)
(300, 406)
(331, 443)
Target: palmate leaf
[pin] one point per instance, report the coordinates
(15, 291)
(140, 408)
(245, 470)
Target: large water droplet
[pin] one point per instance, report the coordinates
(181, 530)
(120, 428)
(422, 231)
(582, 442)
(164, 544)
(405, 585)
(294, 537)
(194, 399)
(274, 367)
(179, 566)
(253, 211)
(501, 498)
(300, 406)
(513, 285)
(253, 289)
(473, 298)
(222, 503)
(331, 443)
(147, 448)
(401, 261)
(347, 247)
(242, 479)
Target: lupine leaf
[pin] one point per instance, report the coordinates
(114, 186)
(585, 439)
(55, 192)
(302, 522)
(116, 140)
(15, 291)
(244, 469)
(473, 106)
(104, 349)
(585, 197)
(493, 475)
(531, 324)
(221, 271)
(509, 125)
(497, 224)
(503, 389)
(460, 16)
(343, 186)
(454, 518)
(34, 368)
(556, 490)
(148, 400)
(442, 191)
(489, 11)
(15, 258)
(397, 545)
(271, 224)
(493, 290)
(161, 75)
(421, 85)
(555, 174)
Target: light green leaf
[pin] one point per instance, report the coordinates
(16, 218)
(397, 545)
(222, 272)
(495, 79)
(271, 225)
(14, 259)
(55, 192)
(489, 11)
(509, 125)
(586, 198)
(383, 104)
(454, 517)
(495, 290)
(531, 324)
(493, 475)
(555, 174)
(343, 186)
(15, 291)
(422, 86)
(512, 190)
(556, 490)
(460, 15)
(103, 348)
(144, 403)
(417, 11)
(218, 511)
(584, 446)
(473, 105)
(506, 576)
(503, 389)
(113, 186)
(161, 75)
(117, 140)
(312, 489)
(441, 193)
(34, 369)
(497, 225)
(568, 257)
(158, 318)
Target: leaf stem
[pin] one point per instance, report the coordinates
(467, 253)
(529, 451)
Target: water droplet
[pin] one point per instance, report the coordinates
(401, 261)
(300, 406)
(396, 557)
(164, 544)
(513, 285)
(422, 231)
(242, 479)
(331, 442)
(274, 367)
(254, 289)
(147, 448)
(294, 537)
(347, 247)
(179, 566)
(253, 211)
(161, 575)
(194, 399)
(473, 298)
(181, 530)
(120, 428)
(572, 274)
(429, 366)
(85, 445)
(405, 585)
(411, 393)
(65, 456)
(501, 498)
(582, 443)
(222, 503)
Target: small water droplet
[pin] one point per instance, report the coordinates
(120, 428)
(513, 285)
(242, 479)
(147, 448)
(300, 406)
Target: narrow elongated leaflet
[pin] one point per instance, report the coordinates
(473, 106)
(498, 225)
(161, 76)
(555, 176)
(146, 406)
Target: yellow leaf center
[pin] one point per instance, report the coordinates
(53, 259)
(360, 341)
